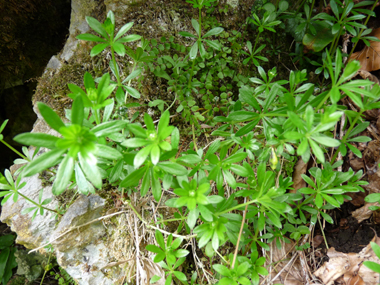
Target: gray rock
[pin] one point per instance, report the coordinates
(82, 211)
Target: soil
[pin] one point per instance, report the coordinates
(346, 234)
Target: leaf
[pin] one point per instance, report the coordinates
(77, 111)
(133, 178)
(172, 168)
(325, 140)
(109, 128)
(37, 139)
(98, 49)
(97, 26)
(50, 117)
(221, 269)
(154, 279)
(4, 254)
(90, 38)
(63, 177)
(108, 152)
(187, 34)
(43, 162)
(134, 93)
(129, 38)
(6, 241)
(213, 32)
(195, 26)
(89, 167)
(123, 30)
(369, 56)
(194, 51)
(321, 39)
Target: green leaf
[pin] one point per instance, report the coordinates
(77, 111)
(192, 218)
(84, 186)
(133, 178)
(325, 140)
(123, 30)
(133, 75)
(375, 248)
(181, 277)
(109, 128)
(222, 270)
(134, 93)
(372, 265)
(50, 117)
(214, 44)
(172, 168)
(3, 125)
(89, 167)
(213, 32)
(4, 254)
(350, 70)
(321, 39)
(97, 26)
(194, 50)
(90, 38)
(63, 177)
(129, 38)
(372, 198)
(187, 34)
(160, 239)
(108, 152)
(196, 26)
(6, 241)
(246, 95)
(43, 162)
(37, 139)
(98, 49)
(154, 154)
(154, 279)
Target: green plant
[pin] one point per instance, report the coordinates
(370, 264)
(7, 258)
(235, 191)
(174, 257)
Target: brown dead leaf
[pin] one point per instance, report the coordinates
(317, 240)
(349, 266)
(364, 213)
(369, 57)
(292, 273)
(299, 169)
(367, 75)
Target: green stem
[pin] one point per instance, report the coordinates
(236, 207)
(36, 204)
(97, 118)
(116, 69)
(256, 40)
(362, 30)
(323, 232)
(14, 150)
(43, 277)
(347, 134)
(323, 101)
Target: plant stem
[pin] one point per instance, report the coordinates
(115, 67)
(323, 232)
(36, 204)
(14, 150)
(43, 277)
(240, 233)
(347, 134)
(236, 207)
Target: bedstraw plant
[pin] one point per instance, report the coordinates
(235, 191)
